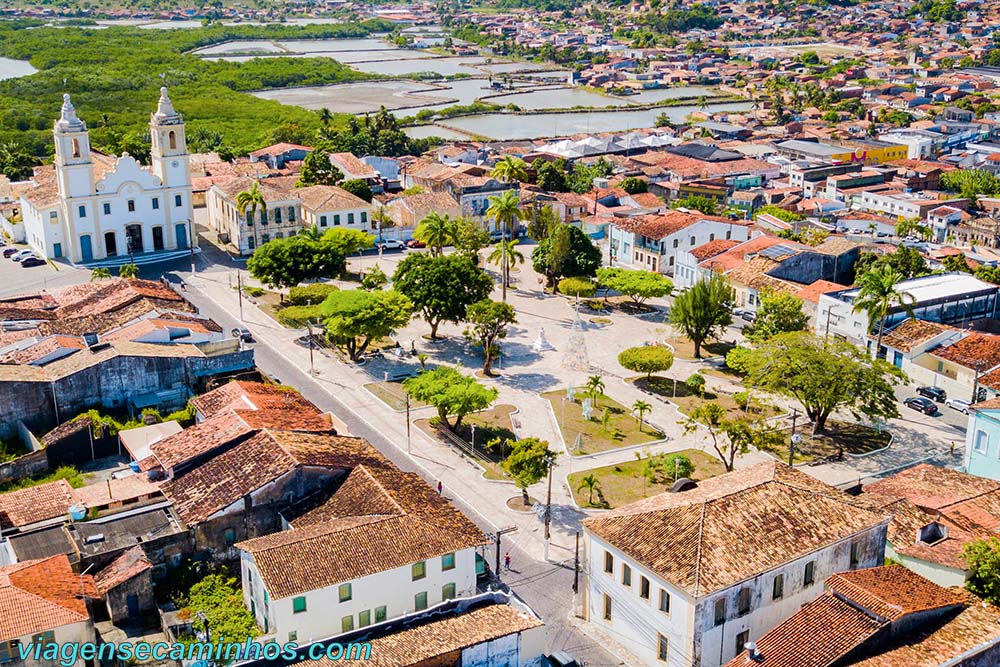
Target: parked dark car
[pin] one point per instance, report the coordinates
(243, 334)
(561, 659)
(32, 261)
(934, 393)
(414, 243)
(10, 252)
(749, 315)
(921, 404)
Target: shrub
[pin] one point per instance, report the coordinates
(679, 464)
(742, 399)
(296, 316)
(308, 295)
(576, 286)
(253, 291)
(647, 359)
(696, 383)
(737, 358)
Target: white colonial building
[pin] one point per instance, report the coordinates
(89, 207)
(687, 579)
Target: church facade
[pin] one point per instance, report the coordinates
(90, 207)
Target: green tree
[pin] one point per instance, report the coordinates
(359, 188)
(128, 271)
(731, 437)
(778, 313)
(878, 297)
(437, 231)
(737, 360)
(505, 209)
(541, 221)
(579, 287)
(529, 462)
(354, 319)
(510, 169)
(489, 322)
(250, 201)
(318, 170)
(16, 162)
(983, 559)
(990, 274)
(697, 203)
(970, 183)
(592, 484)
(704, 310)
(956, 263)
(551, 176)
(914, 227)
(506, 251)
(566, 252)
(595, 387)
(290, 261)
(640, 408)
(374, 279)
(780, 213)
(646, 359)
(636, 285)
(470, 237)
(347, 241)
(453, 394)
(100, 273)
(825, 376)
(634, 185)
(696, 384)
(442, 288)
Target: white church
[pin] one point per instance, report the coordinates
(90, 207)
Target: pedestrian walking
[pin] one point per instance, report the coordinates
(440, 487)
(506, 562)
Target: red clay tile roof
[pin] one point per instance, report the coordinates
(733, 527)
(730, 259)
(129, 564)
(713, 248)
(202, 438)
(39, 595)
(120, 490)
(892, 591)
(813, 292)
(913, 332)
(659, 225)
(264, 406)
(933, 487)
(36, 503)
(976, 349)
(380, 518)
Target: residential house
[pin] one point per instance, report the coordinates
(652, 241)
(982, 440)
(280, 216)
(43, 602)
(380, 545)
(330, 207)
(407, 210)
(879, 617)
(354, 169)
(278, 155)
(935, 511)
(690, 578)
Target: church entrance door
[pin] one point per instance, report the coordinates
(111, 243)
(134, 235)
(157, 238)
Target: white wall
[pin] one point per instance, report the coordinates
(74, 633)
(393, 589)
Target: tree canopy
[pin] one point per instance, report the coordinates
(357, 318)
(567, 251)
(290, 261)
(489, 322)
(318, 170)
(442, 288)
(637, 285)
(647, 359)
(731, 437)
(778, 313)
(825, 376)
(528, 462)
(348, 241)
(359, 188)
(701, 312)
(453, 394)
(983, 559)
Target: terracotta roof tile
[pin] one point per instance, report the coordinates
(36, 503)
(913, 332)
(974, 350)
(39, 595)
(713, 248)
(813, 291)
(129, 564)
(733, 527)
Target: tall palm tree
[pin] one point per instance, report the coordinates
(590, 483)
(312, 233)
(251, 200)
(878, 296)
(325, 116)
(510, 169)
(506, 251)
(100, 273)
(640, 408)
(506, 210)
(128, 271)
(595, 386)
(436, 231)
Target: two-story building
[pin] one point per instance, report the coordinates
(690, 578)
(381, 545)
(982, 440)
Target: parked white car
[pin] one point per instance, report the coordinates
(24, 254)
(959, 404)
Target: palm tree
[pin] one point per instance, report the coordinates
(878, 296)
(595, 386)
(99, 273)
(312, 233)
(325, 116)
(128, 271)
(506, 210)
(591, 484)
(251, 200)
(641, 408)
(506, 250)
(436, 231)
(510, 169)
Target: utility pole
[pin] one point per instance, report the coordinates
(312, 367)
(191, 243)
(548, 500)
(501, 532)
(576, 565)
(791, 440)
(239, 291)
(407, 423)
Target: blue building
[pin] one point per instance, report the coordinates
(982, 440)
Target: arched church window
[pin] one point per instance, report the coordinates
(76, 148)
(172, 140)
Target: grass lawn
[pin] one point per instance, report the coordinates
(854, 438)
(393, 395)
(623, 428)
(684, 349)
(623, 483)
(491, 425)
(269, 302)
(687, 402)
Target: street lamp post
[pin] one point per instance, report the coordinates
(548, 500)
